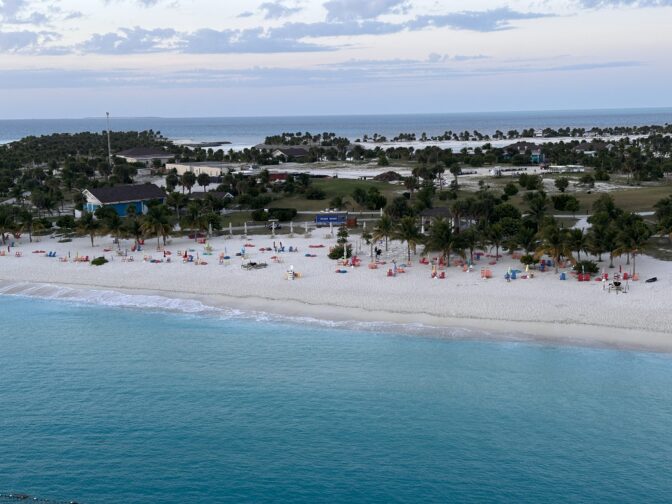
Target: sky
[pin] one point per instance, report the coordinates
(193, 58)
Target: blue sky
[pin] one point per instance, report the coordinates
(75, 58)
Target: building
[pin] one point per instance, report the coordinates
(214, 194)
(123, 196)
(211, 168)
(522, 148)
(291, 154)
(146, 155)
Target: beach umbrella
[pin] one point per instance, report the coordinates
(210, 229)
(230, 228)
(305, 226)
(291, 227)
(364, 225)
(245, 226)
(331, 228)
(273, 229)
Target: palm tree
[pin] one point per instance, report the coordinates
(527, 238)
(203, 180)
(441, 238)
(176, 201)
(536, 202)
(191, 216)
(188, 181)
(27, 222)
(555, 242)
(632, 238)
(134, 228)
(495, 235)
(157, 221)
(578, 241)
(89, 225)
(384, 229)
(407, 231)
(114, 225)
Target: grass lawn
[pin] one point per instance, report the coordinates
(660, 248)
(333, 188)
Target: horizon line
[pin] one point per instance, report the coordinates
(299, 116)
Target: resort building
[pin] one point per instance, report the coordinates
(122, 197)
(210, 168)
(146, 155)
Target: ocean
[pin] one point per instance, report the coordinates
(103, 404)
(248, 131)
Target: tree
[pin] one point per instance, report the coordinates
(172, 180)
(176, 201)
(133, 227)
(89, 225)
(157, 221)
(384, 230)
(664, 216)
(407, 231)
(632, 237)
(561, 184)
(441, 238)
(555, 242)
(27, 222)
(536, 202)
(191, 216)
(203, 180)
(578, 241)
(495, 235)
(188, 181)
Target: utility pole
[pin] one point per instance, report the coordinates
(109, 145)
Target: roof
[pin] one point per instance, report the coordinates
(436, 212)
(293, 151)
(126, 193)
(144, 152)
(521, 146)
(202, 195)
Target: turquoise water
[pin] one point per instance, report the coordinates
(242, 131)
(109, 405)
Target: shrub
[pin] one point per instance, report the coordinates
(315, 193)
(66, 222)
(586, 267)
(337, 252)
(529, 259)
(530, 182)
(602, 176)
(510, 189)
(98, 261)
(260, 215)
(282, 214)
(587, 180)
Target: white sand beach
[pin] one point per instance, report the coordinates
(543, 307)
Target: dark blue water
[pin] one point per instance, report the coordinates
(104, 405)
(242, 131)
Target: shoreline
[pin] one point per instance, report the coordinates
(543, 308)
(423, 324)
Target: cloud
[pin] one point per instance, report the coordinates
(481, 21)
(596, 4)
(351, 72)
(278, 9)
(288, 37)
(131, 41)
(352, 10)
(24, 40)
(254, 40)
